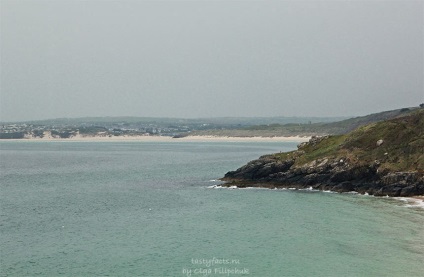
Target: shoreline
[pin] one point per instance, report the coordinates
(166, 139)
(416, 201)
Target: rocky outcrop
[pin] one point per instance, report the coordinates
(337, 174)
(382, 159)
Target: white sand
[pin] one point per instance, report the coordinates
(167, 139)
(241, 139)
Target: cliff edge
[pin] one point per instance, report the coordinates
(384, 158)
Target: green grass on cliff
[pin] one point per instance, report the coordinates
(402, 148)
(298, 129)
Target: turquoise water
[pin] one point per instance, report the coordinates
(145, 209)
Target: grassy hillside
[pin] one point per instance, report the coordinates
(312, 129)
(396, 145)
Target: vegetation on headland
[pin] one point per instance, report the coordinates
(305, 129)
(383, 158)
(400, 144)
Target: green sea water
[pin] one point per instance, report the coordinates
(148, 209)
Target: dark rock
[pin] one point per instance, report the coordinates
(409, 191)
(393, 190)
(341, 174)
(400, 177)
(260, 168)
(317, 186)
(364, 187)
(416, 189)
(343, 187)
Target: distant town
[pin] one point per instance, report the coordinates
(25, 130)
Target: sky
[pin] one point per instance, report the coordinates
(209, 58)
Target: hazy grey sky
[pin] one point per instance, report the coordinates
(209, 58)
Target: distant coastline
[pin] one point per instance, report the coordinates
(167, 139)
(124, 128)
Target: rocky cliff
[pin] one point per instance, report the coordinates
(384, 158)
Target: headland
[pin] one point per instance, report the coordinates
(382, 159)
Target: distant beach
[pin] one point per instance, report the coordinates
(167, 139)
(241, 139)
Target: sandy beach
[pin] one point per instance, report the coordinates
(168, 139)
(243, 139)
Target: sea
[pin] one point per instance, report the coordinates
(132, 208)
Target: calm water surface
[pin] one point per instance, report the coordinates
(145, 209)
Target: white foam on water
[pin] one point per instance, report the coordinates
(418, 205)
(411, 202)
(309, 189)
(403, 199)
(215, 187)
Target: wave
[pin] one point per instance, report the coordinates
(216, 187)
(411, 202)
(310, 189)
